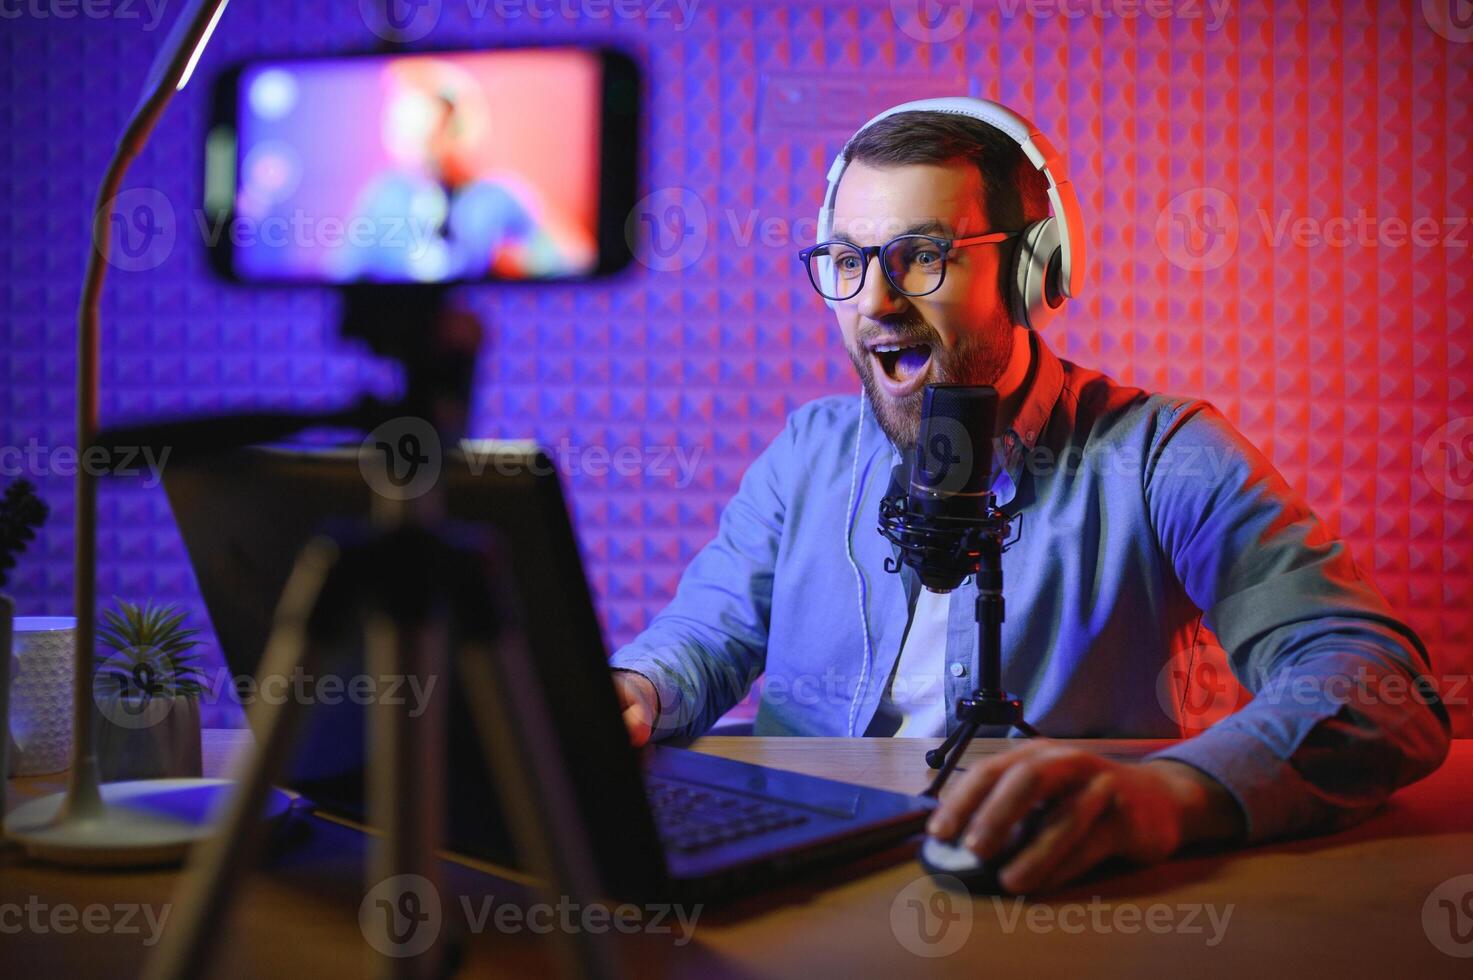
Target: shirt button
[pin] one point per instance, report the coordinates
(958, 670)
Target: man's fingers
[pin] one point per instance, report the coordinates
(1102, 841)
(1038, 777)
(637, 703)
(960, 796)
(637, 720)
(1063, 832)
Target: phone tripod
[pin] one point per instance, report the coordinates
(420, 603)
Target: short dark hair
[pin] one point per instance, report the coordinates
(1015, 194)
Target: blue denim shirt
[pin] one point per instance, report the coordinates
(1155, 542)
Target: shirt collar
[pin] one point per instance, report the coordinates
(1041, 389)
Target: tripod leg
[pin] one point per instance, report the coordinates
(406, 785)
(1026, 728)
(513, 726)
(959, 740)
(207, 889)
(937, 756)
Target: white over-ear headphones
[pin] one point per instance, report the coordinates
(1049, 263)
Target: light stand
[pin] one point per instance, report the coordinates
(146, 821)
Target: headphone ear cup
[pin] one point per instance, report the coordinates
(1036, 269)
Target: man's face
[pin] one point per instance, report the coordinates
(962, 332)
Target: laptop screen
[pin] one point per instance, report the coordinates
(245, 515)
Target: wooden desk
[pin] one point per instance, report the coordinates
(1355, 904)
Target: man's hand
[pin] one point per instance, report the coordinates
(1097, 808)
(639, 703)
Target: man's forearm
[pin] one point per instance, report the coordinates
(1304, 758)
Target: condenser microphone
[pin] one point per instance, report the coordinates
(946, 525)
(952, 458)
(947, 500)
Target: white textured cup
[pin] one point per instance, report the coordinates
(41, 694)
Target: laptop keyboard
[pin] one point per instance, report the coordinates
(692, 818)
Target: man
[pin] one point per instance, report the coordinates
(1146, 522)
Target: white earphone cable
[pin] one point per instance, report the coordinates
(850, 510)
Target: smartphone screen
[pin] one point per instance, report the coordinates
(422, 168)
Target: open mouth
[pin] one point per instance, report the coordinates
(902, 363)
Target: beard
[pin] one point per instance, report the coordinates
(979, 358)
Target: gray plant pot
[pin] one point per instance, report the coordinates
(157, 738)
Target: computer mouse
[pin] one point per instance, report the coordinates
(951, 858)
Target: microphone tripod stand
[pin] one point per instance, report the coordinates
(956, 547)
(989, 703)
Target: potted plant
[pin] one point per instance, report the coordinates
(21, 514)
(146, 690)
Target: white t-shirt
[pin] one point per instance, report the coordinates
(914, 702)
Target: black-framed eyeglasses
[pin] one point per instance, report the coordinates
(914, 264)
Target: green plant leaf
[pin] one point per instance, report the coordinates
(152, 634)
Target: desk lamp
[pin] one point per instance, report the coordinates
(142, 821)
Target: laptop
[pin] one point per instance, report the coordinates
(660, 822)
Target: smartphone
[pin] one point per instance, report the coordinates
(509, 164)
